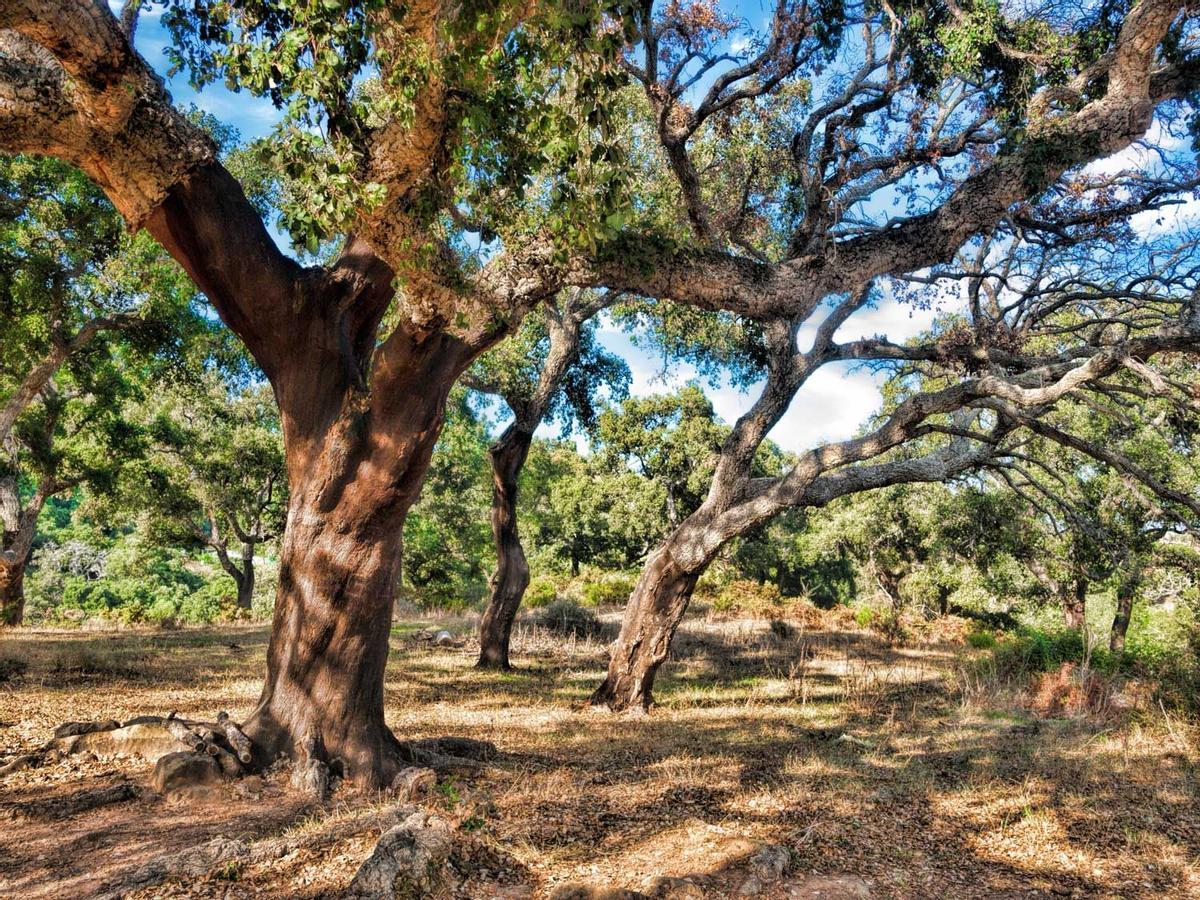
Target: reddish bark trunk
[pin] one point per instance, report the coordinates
(511, 578)
(352, 482)
(12, 593)
(655, 610)
(1075, 605)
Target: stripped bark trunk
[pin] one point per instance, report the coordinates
(511, 578)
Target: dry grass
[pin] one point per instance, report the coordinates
(854, 755)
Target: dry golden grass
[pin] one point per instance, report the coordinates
(853, 755)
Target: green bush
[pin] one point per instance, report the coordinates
(981, 640)
(609, 589)
(542, 591)
(864, 616)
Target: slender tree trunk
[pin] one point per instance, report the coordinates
(511, 577)
(12, 592)
(655, 610)
(1126, 592)
(1075, 605)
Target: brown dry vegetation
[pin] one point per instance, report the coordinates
(859, 758)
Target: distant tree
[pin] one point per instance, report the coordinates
(552, 370)
(214, 474)
(671, 439)
(82, 306)
(584, 513)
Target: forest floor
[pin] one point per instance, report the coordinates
(860, 759)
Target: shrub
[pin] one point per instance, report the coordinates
(609, 589)
(565, 617)
(981, 640)
(864, 616)
(749, 598)
(542, 591)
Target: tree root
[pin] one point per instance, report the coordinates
(198, 862)
(450, 755)
(63, 807)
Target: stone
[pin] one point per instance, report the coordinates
(69, 729)
(827, 887)
(408, 861)
(766, 867)
(443, 639)
(185, 770)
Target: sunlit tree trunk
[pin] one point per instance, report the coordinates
(655, 610)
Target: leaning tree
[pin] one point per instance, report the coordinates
(813, 167)
(74, 288)
(410, 125)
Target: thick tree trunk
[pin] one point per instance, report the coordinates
(12, 592)
(511, 577)
(655, 610)
(352, 481)
(328, 649)
(1075, 605)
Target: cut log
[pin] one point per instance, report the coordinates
(242, 748)
(409, 860)
(184, 734)
(230, 767)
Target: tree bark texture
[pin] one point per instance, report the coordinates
(511, 577)
(655, 610)
(351, 489)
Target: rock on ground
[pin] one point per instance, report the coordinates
(827, 887)
(407, 861)
(150, 740)
(184, 771)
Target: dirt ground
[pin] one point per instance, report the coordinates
(861, 760)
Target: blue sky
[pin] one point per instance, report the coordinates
(834, 403)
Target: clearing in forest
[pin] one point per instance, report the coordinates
(862, 761)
